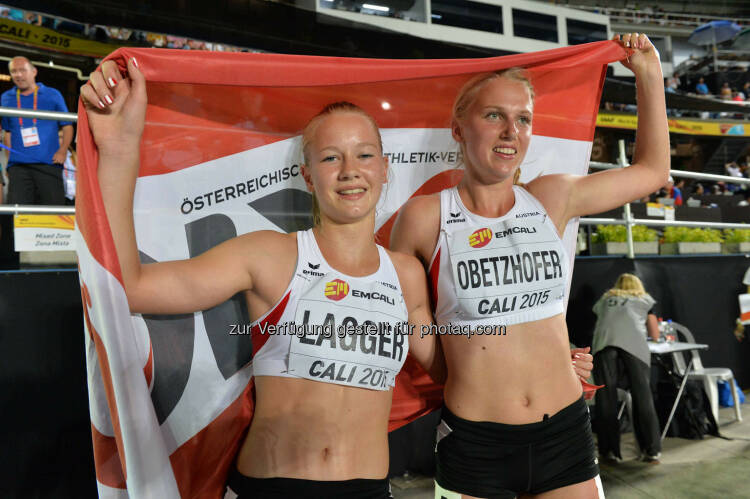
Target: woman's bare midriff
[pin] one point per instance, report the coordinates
(316, 431)
(513, 379)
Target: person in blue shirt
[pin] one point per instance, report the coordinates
(674, 192)
(34, 148)
(701, 87)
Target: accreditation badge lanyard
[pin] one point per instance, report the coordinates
(29, 135)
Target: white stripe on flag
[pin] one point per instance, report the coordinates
(149, 472)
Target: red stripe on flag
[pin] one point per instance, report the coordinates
(148, 369)
(232, 119)
(201, 464)
(745, 316)
(108, 465)
(589, 390)
(86, 298)
(221, 68)
(414, 395)
(101, 354)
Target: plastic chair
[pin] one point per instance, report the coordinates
(709, 375)
(626, 403)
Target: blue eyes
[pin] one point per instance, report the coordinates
(493, 115)
(328, 159)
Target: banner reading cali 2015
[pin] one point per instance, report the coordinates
(170, 396)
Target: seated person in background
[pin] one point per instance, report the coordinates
(725, 190)
(739, 330)
(673, 83)
(673, 192)
(725, 92)
(622, 358)
(694, 199)
(701, 87)
(733, 170)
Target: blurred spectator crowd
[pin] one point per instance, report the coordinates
(655, 15)
(703, 193)
(115, 35)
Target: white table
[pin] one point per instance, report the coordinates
(668, 348)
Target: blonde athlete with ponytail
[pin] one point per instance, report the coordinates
(514, 422)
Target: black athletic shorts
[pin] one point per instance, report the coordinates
(245, 487)
(495, 460)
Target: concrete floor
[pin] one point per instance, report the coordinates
(710, 468)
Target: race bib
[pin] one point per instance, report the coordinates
(30, 136)
(511, 267)
(349, 333)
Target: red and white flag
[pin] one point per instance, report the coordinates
(744, 308)
(170, 396)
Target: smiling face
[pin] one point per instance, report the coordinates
(495, 129)
(344, 166)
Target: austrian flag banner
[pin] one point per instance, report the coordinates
(171, 396)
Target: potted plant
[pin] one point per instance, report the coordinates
(690, 240)
(736, 240)
(611, 240)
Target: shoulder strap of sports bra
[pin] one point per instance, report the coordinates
(446, 204)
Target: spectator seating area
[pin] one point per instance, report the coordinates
(116, 35)
(723, 209)
(690, 16)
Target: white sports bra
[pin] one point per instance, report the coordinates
(332, 327)
(497, 271)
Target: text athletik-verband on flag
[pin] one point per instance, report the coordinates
(170, 397)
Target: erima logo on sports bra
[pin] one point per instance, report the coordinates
(480, 238)
(454, 218)
(313, 271)
(336, 290)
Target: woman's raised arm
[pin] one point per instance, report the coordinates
(568, 196)
(116, 108)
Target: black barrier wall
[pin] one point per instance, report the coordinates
(45, 447)
(46, 434)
